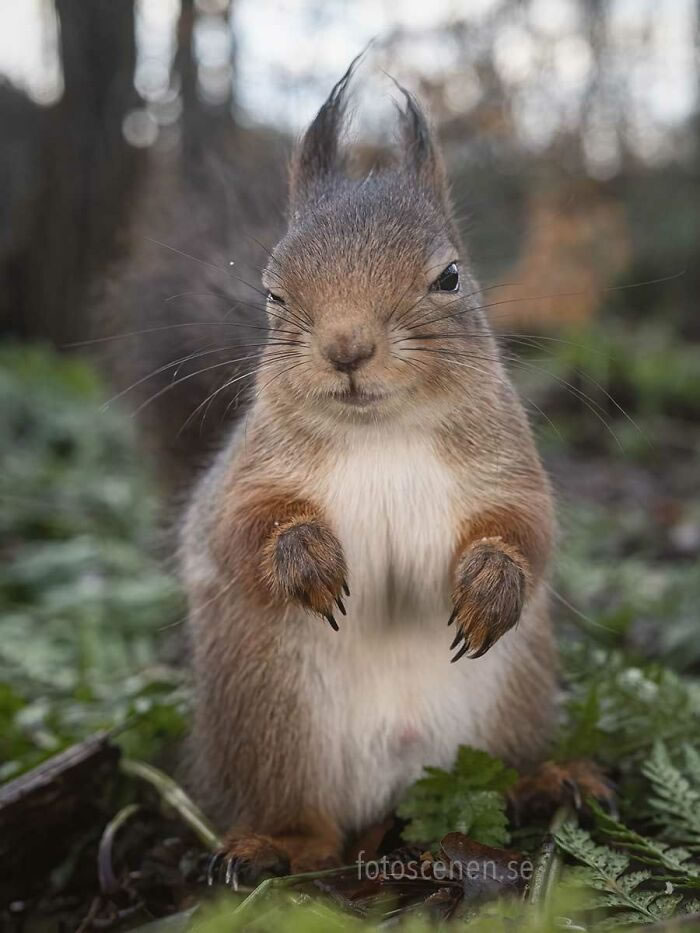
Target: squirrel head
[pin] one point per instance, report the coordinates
(371, 302)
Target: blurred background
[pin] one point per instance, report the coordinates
(133, 129)
(571, 128)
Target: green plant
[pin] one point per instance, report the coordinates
(607, 873)
(85, 605)
(469, 799)
(646, 878)
(675, 799)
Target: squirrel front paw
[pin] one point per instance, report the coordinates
(306, 565)
(488, 596)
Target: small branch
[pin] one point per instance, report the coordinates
(175, 797)
(270, 884)
(105, 868)
(549, 862)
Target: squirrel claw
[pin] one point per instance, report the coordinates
(555, 783)
(233, 866)
(212, 869)
(346, 588)
(482, 651)
(458, 637)
(339, 603)
(331, 621)
(479, 653)
(232, 869)
(462, 651)
(452, 617)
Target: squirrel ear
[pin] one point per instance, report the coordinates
(422, 156)
(316, 159)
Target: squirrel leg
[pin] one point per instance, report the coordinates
(556, 782)
(246, 857)
(253, 732)
(305, 564)
(283, 551)
(495, 565)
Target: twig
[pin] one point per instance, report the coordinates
(105, 869)
(549, 861)
(174, 796)
(264, 888)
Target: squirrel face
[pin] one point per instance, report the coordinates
(370, 299)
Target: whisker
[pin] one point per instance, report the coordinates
(430, 271)
(534, 339)
(210, 398)
(502, 381)
(535, 344)
(277, 375)
(582, 396)
(590, 403)
(226, 270)
(422, 297)
(210, 294)
(164, 327)
(234, 400)
(405, 359)
(296, 321)
(504, 301)
(611, 398)
(196, 355)
(180, 252)
(577, 612)
(182, 379)
(302, 311)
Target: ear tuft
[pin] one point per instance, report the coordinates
(422, 156)
(317, 157)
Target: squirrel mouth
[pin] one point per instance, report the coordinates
(357, 398)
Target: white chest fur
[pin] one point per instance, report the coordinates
(394, 505)
(383, 695)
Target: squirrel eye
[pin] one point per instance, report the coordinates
(276, 299)
(448, 280)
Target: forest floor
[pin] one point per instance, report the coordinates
(90, 613)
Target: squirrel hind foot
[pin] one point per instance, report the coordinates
(248, 858)
(555, 783)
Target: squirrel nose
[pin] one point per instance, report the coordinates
(346, 356)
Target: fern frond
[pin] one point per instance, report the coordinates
(616, 887)
(674, 859)
(676, 802)
(469, 799)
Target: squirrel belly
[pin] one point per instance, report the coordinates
(389, 701)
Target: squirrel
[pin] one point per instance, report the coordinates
(365, 546)
(366, 556)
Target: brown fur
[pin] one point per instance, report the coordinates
(555, 783)
(304, 562)
(489, 593)
(311, 843)
(354, 271)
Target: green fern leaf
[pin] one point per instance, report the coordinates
(615, 887)
(676, 801)
(649, 851)
(469, 799)
(692, 765)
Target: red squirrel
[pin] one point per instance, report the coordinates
(366, 556)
